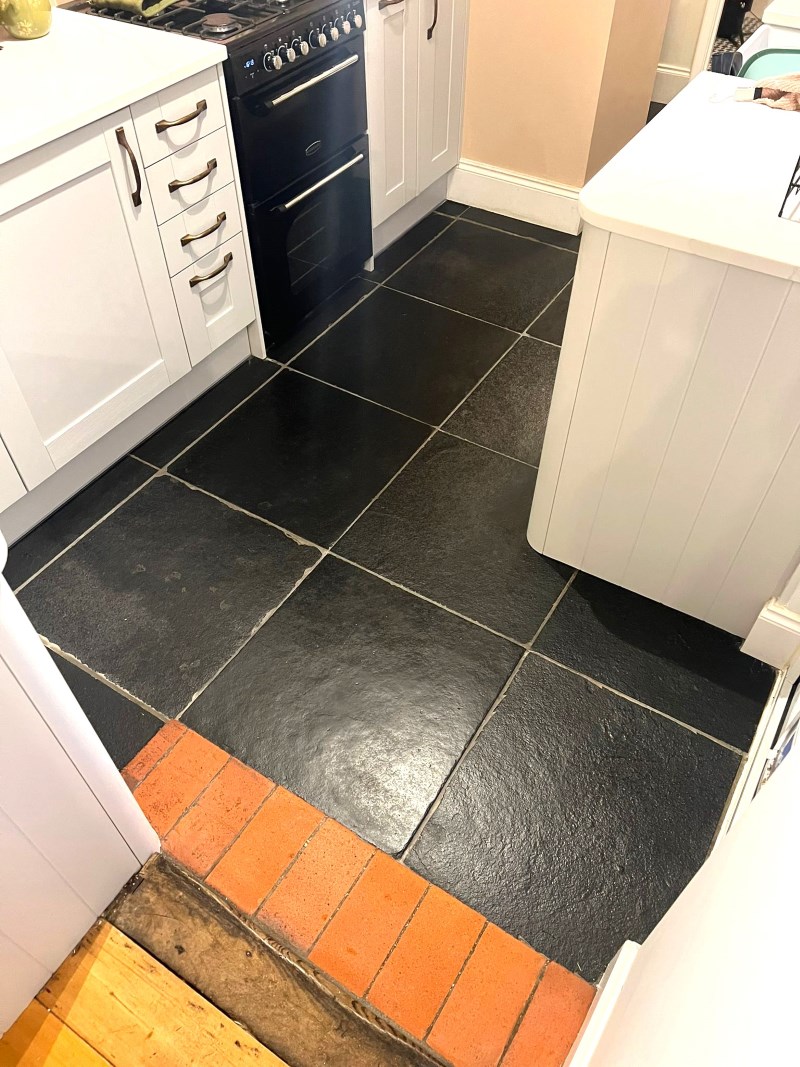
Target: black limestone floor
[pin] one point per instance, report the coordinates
(321, 565)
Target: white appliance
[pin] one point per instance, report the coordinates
(780, 29)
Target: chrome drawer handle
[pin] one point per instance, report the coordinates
(166, 124)
(189, 237)
(296, 200)
(212, 273)
(313, 81)
(178, 183)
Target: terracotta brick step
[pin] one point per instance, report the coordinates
(468, 991)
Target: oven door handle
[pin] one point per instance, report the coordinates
(318, 185)
(312, 82)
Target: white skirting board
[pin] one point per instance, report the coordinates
(516, 195)
(669, 82)
(608, 991)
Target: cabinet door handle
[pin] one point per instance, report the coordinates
(178, 183)
(189, 237)
(432, 26)
(166, 124)
(122, 140)
(212, 273)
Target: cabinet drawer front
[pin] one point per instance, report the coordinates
(212, 311)
(201, 169)
(197, 100)
(181, 236)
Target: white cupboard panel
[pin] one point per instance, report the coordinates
(205, 165)
(21, 978)
(442, 58)
(685, 302)
(391, 60)
(182, 246)
(215, 309)
(621, 318)
(11, 485)
(197, 98)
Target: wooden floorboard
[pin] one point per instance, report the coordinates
(125, 1009)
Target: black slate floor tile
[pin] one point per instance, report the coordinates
(359, 697)
(452, 208)
(160, 595)
(508, 410)
(303, 455)
(654, 110)
(452, 527)
(165, 444)
(494, 276)
(53, 535)
(321, 318)
(122, 726)
(674, 663)
(550, 324)
(523, 229)
(577, 817)
(407, 246)
(410, 355)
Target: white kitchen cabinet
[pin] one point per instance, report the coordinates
(84, 282)
(11, 485)
(442, 56)
(414, 97)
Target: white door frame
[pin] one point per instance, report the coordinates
(707, 35)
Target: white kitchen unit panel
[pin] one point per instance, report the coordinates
(177, 116)
(442, 58)
(214, 298)
(201, 229)
(12, 486)
(672, 447)
(79, 268)
(21, 978)
(186, 177)
(392, 62)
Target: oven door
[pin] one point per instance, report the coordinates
(312, 238)
(285, 131)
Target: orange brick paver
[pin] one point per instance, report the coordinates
(266, 847)
(429, 963)
(359, 937)
(177, 781)
(211, 824)
(316, 884)
(477, 1020)
(157, 747)
(552, 1021)
(426, 961)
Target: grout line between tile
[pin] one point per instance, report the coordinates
(94, 526)
(510, 233)
(480, 382)
(157, 763)
(639, 703)
(550, 613)
(242, 829)
(340, 905)
(336, 322)
(453, 220)
(427, 599)
(396, 941)
(521, 1016)
(197, 800)
(282, 876)
(144, 462)
(546, 308)
(455, 311)
(70, 658)
(498, 700)
(461, 970)
(360, 396)
(253, 632)
(486, 448)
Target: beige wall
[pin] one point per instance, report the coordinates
(534, 109)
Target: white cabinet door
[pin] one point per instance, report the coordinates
(11, 485)
(89, 331)
(391, 55)
(442, 54)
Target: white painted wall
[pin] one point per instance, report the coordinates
(677, 52)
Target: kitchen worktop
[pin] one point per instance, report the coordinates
(84, 69)
(707, 176)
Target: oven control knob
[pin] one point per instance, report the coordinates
(357, 20)
(317, 39)
(301, 46)
(288, 55)
(334, 31)
(343, 25)
(272, 62)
